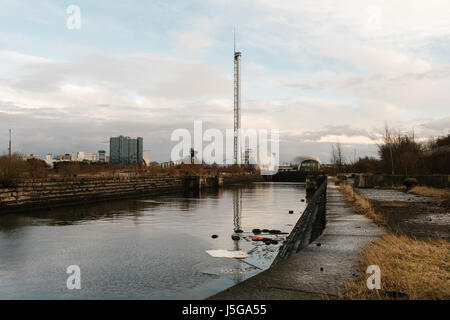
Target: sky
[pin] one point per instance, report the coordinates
(320, 71)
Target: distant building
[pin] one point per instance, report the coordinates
(90, 157)
(102, 156)
(146, 160)
(126, 151)
(31, 157)
(83, 156)
(49, 159)
(77, 156)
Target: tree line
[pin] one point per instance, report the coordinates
(398, 153)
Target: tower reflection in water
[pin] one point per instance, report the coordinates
(237, 217)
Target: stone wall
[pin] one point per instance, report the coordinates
(49, 193)
(59, 192)
(288, 176)
(230, 179)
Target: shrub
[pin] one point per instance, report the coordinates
(11, 170)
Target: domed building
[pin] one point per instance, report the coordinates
(307, 164)
(298, 169)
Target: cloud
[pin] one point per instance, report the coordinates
(321, 71)
(197, 36)
(141, 73)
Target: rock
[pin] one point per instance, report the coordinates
(265, 230)
(291, 211)
(238, 231)
(318, 244)
(410, 183)
(321, 269)
(303, 200)
(235, 237)
(256, 231)
(214, 236)
(274, 231)
(274, 242)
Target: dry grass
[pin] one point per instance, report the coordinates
(410, 268)
(359, 204)
(418, 268)
(15, 170)
(441, 194)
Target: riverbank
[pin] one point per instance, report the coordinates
(414, 256)
(56, 192)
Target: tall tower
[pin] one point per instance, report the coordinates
(237, 107)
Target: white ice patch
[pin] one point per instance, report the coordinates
(227, 254)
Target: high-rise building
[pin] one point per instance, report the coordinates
(126, 151)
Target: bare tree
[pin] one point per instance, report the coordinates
(337, 156)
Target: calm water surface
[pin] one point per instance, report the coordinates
(149, 248)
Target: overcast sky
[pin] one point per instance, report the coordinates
(321, 71)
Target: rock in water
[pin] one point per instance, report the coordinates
(256, 231)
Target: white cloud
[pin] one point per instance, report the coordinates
(320, 70)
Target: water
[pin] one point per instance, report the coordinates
(149, 248)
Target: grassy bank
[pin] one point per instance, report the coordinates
(410, 268)
(441, 195)
(359, 204)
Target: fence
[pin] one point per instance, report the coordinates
(371, 181)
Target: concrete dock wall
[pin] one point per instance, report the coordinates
(59, 192)
(320, 270)
(49, 193)
(230, 179)
(283, 176)
(309, 226)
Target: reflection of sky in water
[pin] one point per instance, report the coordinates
(152, 248)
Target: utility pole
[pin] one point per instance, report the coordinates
(9, 148)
